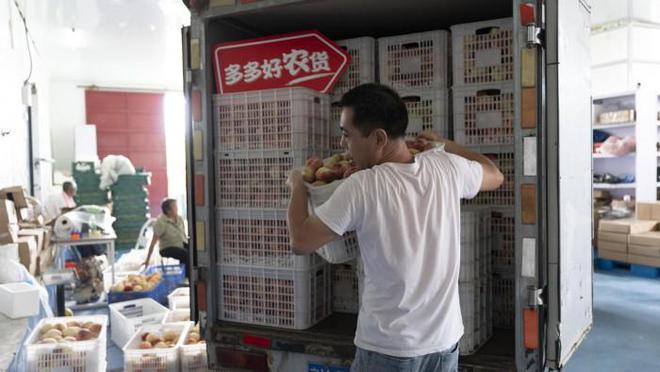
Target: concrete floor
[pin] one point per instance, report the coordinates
(626, 331)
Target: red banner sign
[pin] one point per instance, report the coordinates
(303, 59)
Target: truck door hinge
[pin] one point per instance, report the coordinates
(535, 36)
(535, 297)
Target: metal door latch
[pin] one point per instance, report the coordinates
(535, 297)
(535, 35)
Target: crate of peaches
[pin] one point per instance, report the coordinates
(155, 347)
(193, 352)
(323, 177)
(68, 343)
(137, 285)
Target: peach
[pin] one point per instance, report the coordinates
(314, 163)
(85, 334)
(308, 174)
(145, 345)
(71, 332)
(325, 174)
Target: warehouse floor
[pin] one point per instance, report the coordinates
(625, 334)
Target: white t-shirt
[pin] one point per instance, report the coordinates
(407, 219)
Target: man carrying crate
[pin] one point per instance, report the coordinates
(406, 212)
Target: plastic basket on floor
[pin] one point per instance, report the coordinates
(484, 115)
(165, 360)
(414, 61)
(126, 317)
(173, 275)
(276, 119)
(177, 316)
(83, 356)
(285, 298)
(193, 357)
(256, 179)
(504, 309)
(179, 298)
(158, 293)
(504, 235)
(346, 247)
(504, 196)
(345, 288)
(482, 52)
(258, 237)
(362, 69)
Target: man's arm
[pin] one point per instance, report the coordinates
(492, 177)
(154, 240)
(307, 233)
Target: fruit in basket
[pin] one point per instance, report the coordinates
(48, 341)
(53, 333)
(61, 327)
(308, 174)
(71, 332)
(145, 345)
(332, 160)
(137, 283)
(73, 324)
(325, 174)
(69, 339)
(85, 334)
(153, 338)
(46, 328)
(169, 336)
(144, 336)
(314, 163)
(95, 328)
(162, 345)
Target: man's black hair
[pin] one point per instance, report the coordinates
(377, 106)
(166, 205)
(68, 185)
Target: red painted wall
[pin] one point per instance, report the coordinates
(131, 124)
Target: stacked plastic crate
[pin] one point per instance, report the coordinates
(130, 206)
(483, 119)
(362, 70)
(261, 136)
(475, 278)
(88, 181)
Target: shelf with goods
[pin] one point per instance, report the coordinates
(628, 115)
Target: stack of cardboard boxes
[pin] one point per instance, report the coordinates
(634, 241)
(22, 235)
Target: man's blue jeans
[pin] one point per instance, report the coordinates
(443, 361)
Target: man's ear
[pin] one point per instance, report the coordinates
(381, 137)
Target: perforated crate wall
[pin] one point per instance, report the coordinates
(504, 196)
(335, 128)
(362, 69)
(256, 179)
(504, 238)
(276, 119)
(484, 115)
(482, 52)
(258, 237)
(503, 301)
(283, 298)
(345, 288)
(414, 61)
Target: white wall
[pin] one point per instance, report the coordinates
(116, 44)
(14, 68)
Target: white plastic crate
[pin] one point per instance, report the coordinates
(335, 128)
(177, 316)
(283, 298)
(482, 52)
(258, 237)
(484, 115)
(426, 110)
(276, 119)
(161, 360)
(345, 288)
(414, 61)
(504, 301)
(503, 222)
(466, 293)
(83, 356)
(193, 357)
(126, 317)
(346, 247)
(504, 196)
(179, 298)
(19, 300)
(256, 179)
(362, 69)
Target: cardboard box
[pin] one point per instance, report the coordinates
(15, 194)
(8, 233)
(643, 211)
(644, 260)
(655, 211)
(27, 252)
(8, 212)
(41, 235)
(612, 246)
(612, 255)
(644, 250)
(626, 226)
(650, 238)
(612, 237)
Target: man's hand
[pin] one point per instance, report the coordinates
(295, 179)
(431, 136)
